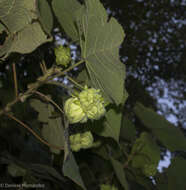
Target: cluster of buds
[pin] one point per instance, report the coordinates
(81, 141)
(63, 55)
(89, 104)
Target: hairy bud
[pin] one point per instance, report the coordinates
(89, 104)
(81, 141)
(75, 142)
(74, 111)
(87, 140)
(92, 103)
(63, 56)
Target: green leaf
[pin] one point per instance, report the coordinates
(6, 47)
(100, 49)
(67, 13)
(169, 135)
(109, 127)
(28, 39)
(145, 147)
(176, 174)
(17, 14)
(21, 43)
(2, 28)
(128, 130)
(46, 170)
(46, 17)
(25, 34)
(41, 108)
(71, 170)
(52, 131)
(119, 171)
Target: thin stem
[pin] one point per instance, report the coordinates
(76, 83)
(50, 100)
(35, 134)
(15, 79)
(58, 84)
(68, 69)
(42, 68)
(36, 85)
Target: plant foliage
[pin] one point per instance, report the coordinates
(120, 148)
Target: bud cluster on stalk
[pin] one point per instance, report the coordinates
(81, 141)
(89, 104)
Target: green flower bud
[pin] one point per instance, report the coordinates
(74, 111)
(63, 55)
(92, 103)
(87, 140)
(75, 142)
(81, 140)
(88, 104)
(150, 170)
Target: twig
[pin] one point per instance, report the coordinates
(15, 79)
(73, 81)
(50, 100)
(35, 86)
(59, 84)
(42, 68)
(35, 134)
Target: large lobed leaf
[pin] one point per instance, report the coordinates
(28, 39)
(45, 15)
(24, 32)
(17, 14)
(66, 12)
(169, 135)
(100, 49)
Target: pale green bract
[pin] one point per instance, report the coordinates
(92, 103)
(87, 140)
(74, 111)
(75, 143)
(81, 141)
(89, 104)
(63, 56)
